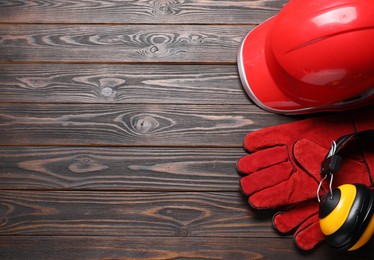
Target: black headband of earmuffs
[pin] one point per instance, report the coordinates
(353, 232)
(332, 161)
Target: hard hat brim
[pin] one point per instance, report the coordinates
(261, 85)
(256, 77)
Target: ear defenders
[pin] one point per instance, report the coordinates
(346, 212)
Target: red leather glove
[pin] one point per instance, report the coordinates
(303, 217)
(283, 169)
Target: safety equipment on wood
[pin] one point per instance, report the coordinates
(282, 169)
(314, 55)
(346, 216)
(346, 212)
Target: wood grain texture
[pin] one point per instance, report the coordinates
(146, 214)
(120, 125)
(67, 83)
(140, 125)
(122, 43)
(139, 11)
(41, 247)
(116, 168)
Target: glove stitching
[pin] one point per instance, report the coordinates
(302, 167)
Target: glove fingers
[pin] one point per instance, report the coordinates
(290, 219)
(262, 159)
(267, 137)
(304, 217)
(309, 234)
(266, 178)
(285, 193)
(309, 155)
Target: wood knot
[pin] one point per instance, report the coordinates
(144, 123)
(160, 44)
(183, 232)
(183, 215)
(109, 85)
(196, 39)
(166, 7)
(86, 164)
(153, 49)
(107, 92)
(35, 82)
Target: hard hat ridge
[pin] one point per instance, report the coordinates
(313, 56)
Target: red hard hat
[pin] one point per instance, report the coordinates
(315, 55)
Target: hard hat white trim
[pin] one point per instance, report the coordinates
(249, 91)
(342, 105)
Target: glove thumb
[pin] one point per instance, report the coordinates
(309, 155)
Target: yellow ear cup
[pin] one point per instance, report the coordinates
(346, 216)
(338, 215)
(368, 233)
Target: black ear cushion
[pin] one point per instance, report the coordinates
(356, 222)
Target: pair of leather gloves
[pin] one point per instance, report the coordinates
(282, 168)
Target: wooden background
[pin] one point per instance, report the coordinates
(120, 126)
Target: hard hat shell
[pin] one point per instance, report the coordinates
(315, 55)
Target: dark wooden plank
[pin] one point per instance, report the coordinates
(92, 83)
(176, 214)
(16, 247)
(141, 125)
(98, 168)
(138, 11)
(125, 43)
